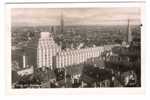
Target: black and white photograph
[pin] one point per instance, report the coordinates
(75, 47)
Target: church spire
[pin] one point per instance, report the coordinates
(129, 36)
(62, 23)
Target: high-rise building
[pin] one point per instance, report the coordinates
(47, 48)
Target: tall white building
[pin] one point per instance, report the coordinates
(49, 54)
(46, 50)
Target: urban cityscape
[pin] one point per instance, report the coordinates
(75, 47)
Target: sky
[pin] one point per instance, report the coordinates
(75, 16)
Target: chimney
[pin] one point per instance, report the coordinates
(24, 61)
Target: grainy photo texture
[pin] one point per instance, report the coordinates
(93, 47)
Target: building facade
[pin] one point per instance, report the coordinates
(49, 54)
(46, 50)
(74, 57)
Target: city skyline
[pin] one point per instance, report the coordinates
(104, 52)
(75, 16)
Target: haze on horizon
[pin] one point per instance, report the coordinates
(75, 16)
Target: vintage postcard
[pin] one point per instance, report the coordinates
(75, 48)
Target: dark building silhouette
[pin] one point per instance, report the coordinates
(61, 23)
(129, 36)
